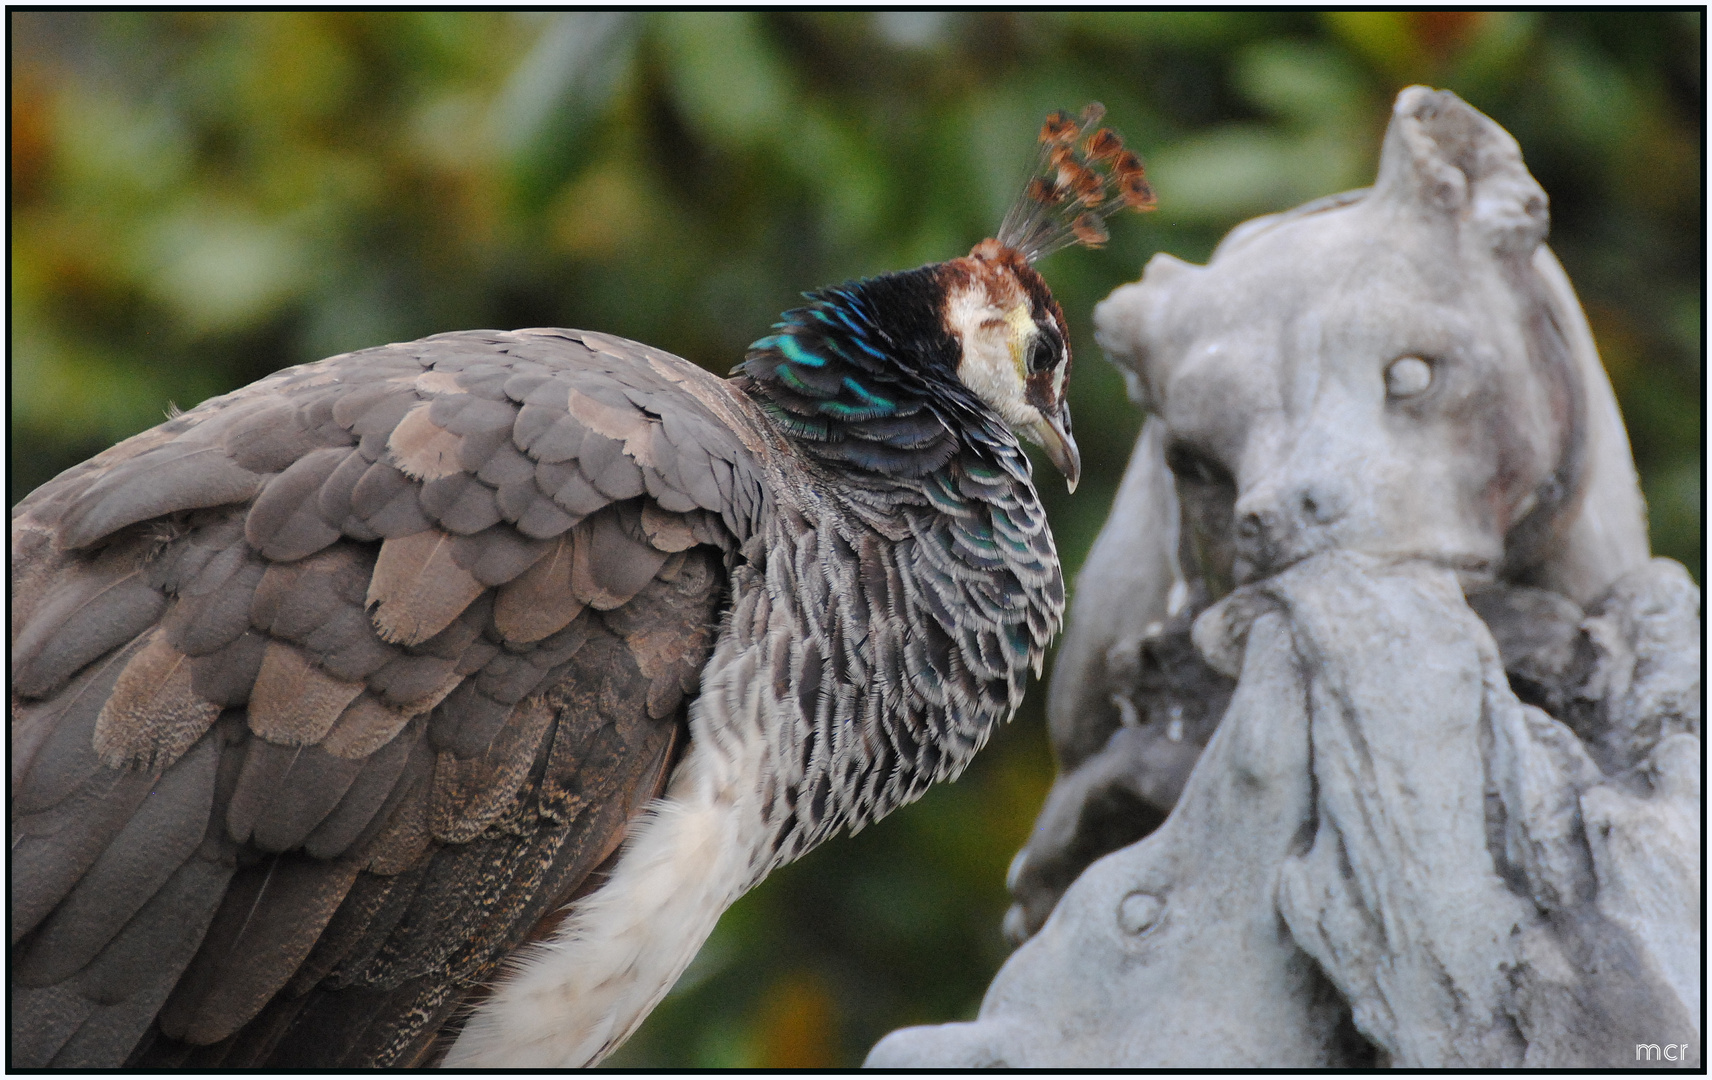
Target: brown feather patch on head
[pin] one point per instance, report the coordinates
(1133, 187)
(1083, 174)
(1058, 129)
(1104, 144)
(1089, 230)
(1041, 192)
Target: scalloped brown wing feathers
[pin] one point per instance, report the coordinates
(328, 691)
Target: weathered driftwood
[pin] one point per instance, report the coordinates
(1448, 807)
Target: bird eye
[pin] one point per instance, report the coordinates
(1042, 354)
(1408, 376)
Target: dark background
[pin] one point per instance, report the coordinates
(200, 199)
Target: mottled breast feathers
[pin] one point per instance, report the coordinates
(921, 582)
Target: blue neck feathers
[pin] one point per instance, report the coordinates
(865, 375)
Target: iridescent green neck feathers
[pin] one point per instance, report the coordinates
(865, 375)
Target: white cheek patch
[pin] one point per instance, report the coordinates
(991, 363)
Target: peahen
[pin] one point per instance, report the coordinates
(331, 694)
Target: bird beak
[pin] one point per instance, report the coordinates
(1054, 434)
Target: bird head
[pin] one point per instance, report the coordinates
(885, 372)
(1014, 347)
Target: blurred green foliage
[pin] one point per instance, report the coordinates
(198, 199)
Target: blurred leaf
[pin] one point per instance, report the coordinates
(925, 30)
(1493, 53)
(220, 267)
(1384, 38)
(1232, 172)
(1592, 95)
(1309, 85)
(558, 93)
(725, 75)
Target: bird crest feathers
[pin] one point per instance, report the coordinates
(1082, 175)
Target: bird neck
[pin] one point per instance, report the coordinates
(865, 376)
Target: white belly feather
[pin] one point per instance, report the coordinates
(570, 1001)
